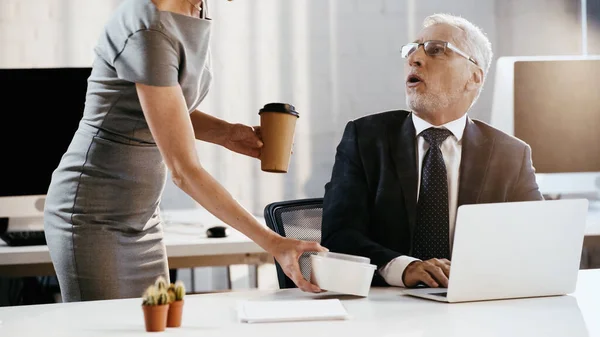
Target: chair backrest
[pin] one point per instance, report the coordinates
(299, 219)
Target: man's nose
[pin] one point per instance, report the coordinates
(417, 57)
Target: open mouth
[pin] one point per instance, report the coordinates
(413, 80)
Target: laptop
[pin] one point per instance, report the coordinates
(513, 250)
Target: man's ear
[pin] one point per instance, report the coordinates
(476, 80)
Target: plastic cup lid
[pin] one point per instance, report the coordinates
(346, 257)
(281, 108)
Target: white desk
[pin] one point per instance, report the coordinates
(185, 239)
(593, 223)
(188, 247)
(386, 312)
(591, 242)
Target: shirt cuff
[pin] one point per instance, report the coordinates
(393, 271)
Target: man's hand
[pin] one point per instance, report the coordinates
(434, 273)
(287, 252)
(244, 139)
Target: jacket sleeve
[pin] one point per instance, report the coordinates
(526, 188)
(346, 205)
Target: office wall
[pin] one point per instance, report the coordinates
(334, 59)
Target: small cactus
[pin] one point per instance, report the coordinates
(155, 296)
(179, 290)
(176, 291)
(171, 293)
(161, 283)
(163, 297)
(149, 297)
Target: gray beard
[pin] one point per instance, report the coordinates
(430, 103)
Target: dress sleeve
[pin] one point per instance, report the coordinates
(148, 57)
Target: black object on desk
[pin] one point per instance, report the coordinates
(216, 232)
(21, 238)
(24, 238)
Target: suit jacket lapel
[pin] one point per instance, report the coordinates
(403, 147)
(476, 154)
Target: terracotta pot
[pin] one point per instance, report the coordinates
(175, 313)
(155, 317)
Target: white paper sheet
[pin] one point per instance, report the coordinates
(290, 311)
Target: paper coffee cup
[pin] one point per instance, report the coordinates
(277, 124)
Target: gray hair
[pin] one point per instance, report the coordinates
(479, 45)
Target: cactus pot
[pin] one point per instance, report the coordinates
(175, 313)
(155, 317)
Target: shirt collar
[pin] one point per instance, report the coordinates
(456, 127)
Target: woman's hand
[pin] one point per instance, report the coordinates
(244, 139)
(287, 252)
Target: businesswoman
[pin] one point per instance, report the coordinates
(102, 222)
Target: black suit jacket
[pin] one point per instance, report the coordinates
(370, 202)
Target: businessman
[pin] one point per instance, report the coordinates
(399, 176)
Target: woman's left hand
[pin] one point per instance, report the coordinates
(287, 252)
(244, 139)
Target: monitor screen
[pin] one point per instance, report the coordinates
(41, 109)
(557, 112)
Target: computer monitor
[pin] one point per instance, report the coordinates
(41, 110)
(552, 103)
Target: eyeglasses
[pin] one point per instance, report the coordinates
(433, 48)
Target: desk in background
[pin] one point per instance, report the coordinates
(185, 239)
(385, 312)
(590, 257)
(188, 247)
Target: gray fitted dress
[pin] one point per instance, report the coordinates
(102, 220)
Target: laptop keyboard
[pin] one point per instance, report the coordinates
(440, 294)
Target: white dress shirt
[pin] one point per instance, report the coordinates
(451, 151)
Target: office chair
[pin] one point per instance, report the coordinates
(299, 219)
